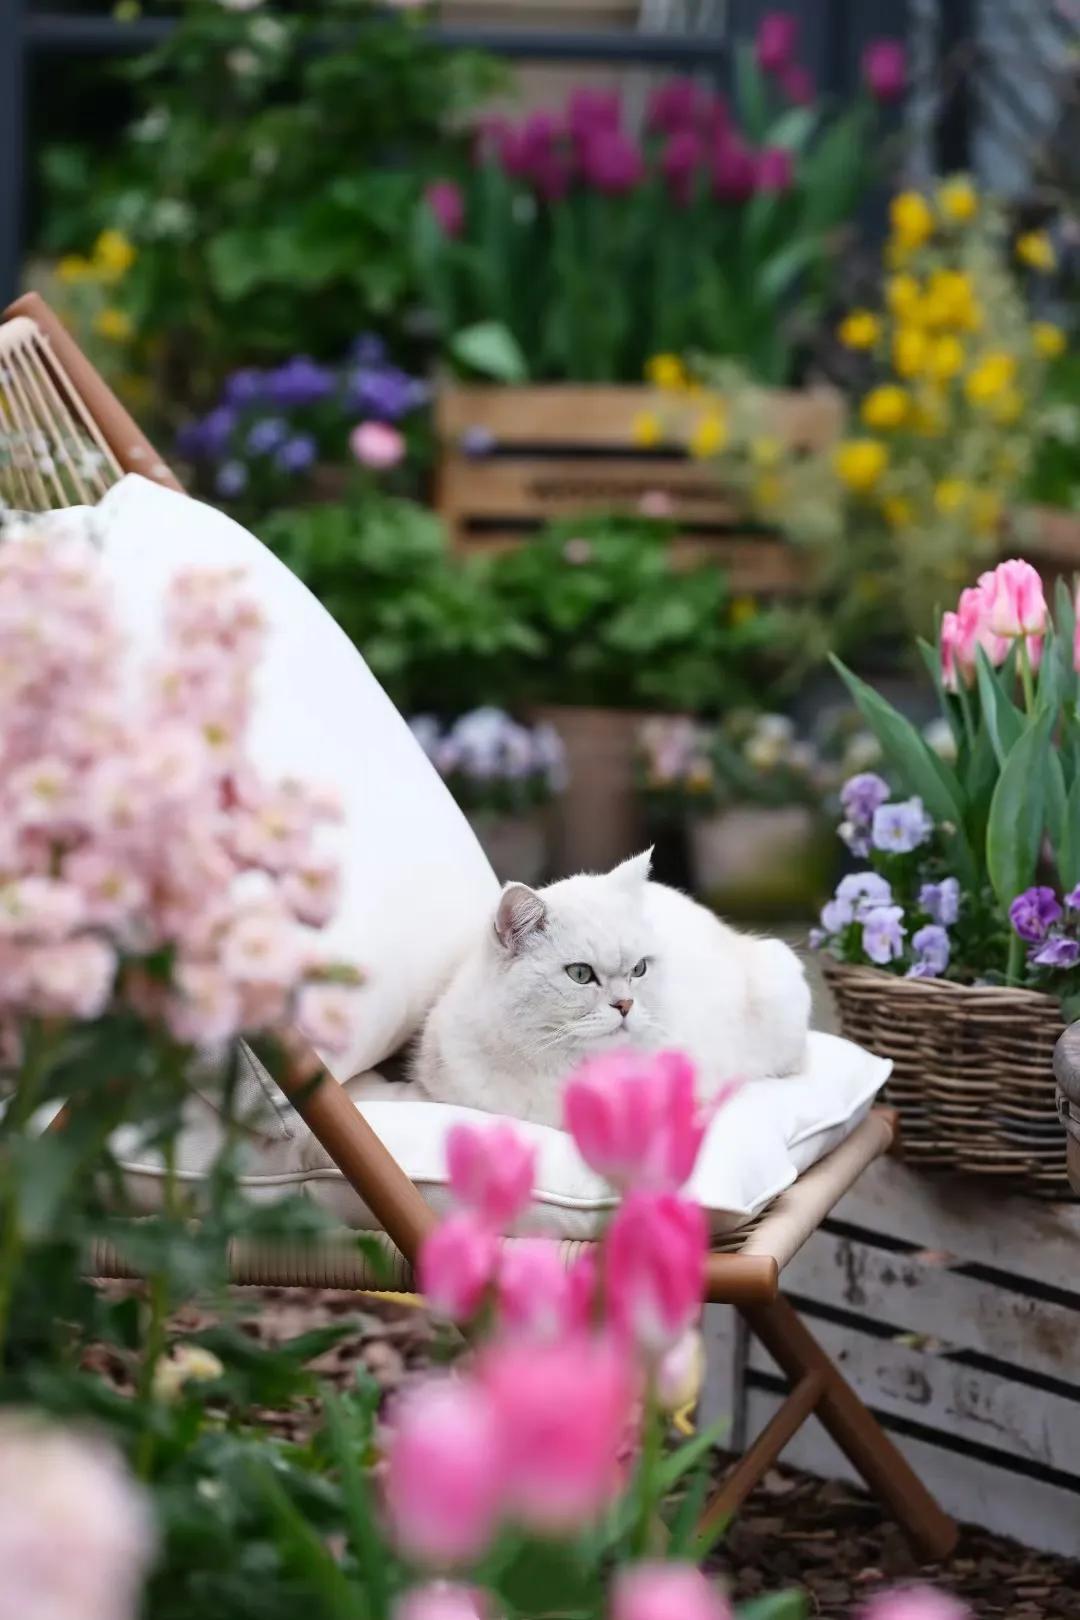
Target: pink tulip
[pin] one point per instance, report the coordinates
(734, 171)
(634, 1118)
(447, 204)
(654, 1260)
(950, 640)
(1015, 602)
(533, 1289)
(376, 445)
(680, 1372)
(777, 36)
(440, 1600)
(491, 1172)
(656, 1591)
(563, 1411)
(915, 1603)
(963, 632)
(775, 170)
(885, 69)
(444, 1471)
(797, 85)
(457, 1266)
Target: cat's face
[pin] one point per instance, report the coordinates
(575, 964)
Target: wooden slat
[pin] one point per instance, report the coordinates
(562, 486)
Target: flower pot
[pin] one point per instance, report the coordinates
(597, 819)
(759, 862)
(516, 845)
(973, 1076)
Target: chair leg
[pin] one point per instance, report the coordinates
(853, 1427)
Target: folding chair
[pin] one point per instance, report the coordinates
(68, 439)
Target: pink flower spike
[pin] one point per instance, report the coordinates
(491, 1172)
(376, 445)
(654, 1259)
(444, 1473)
(915, 1603)
(634, 1118)
(885, 69)
(447, 204)
(777, 36)
(457, 1265)
(661, 1591)
(1015, 604)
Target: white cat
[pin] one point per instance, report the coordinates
(591, 963)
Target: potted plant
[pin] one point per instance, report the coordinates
(504, 776)
(954, 948)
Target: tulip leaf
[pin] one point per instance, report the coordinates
(1065, 637)
(750, 96)
(980, 778)
(1018, 812)
(794, 128)
(1003, 719)
(931, 657)
(1056, 799)
(775, 1606)
(1068, 847)
(490, 349)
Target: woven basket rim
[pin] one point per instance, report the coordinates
(1002, 996)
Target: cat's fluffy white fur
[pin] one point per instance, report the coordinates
(512, 1023)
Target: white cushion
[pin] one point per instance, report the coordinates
(416, 882)
(756, 1146)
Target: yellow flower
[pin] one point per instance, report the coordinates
(1036, 250)
(986, 511)
(950, 301)
(886, 407)
(1049, 340)
(930, 416)
(912, 220)
(1009, 408)
(903, 294)
(187, 1363)
(646, 429)
(768, 492)
(991, 378)
(113, 255)
(73, 267)
(859, 330)
(709, 435)
(945, 359)
(743, 609)
(951, 496)
(909, 351)
(766, 452)
(860, 463)
(958, 201)
(113, 324)
(899, 512)
(666, 371)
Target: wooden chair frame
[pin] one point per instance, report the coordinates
(747, 1279)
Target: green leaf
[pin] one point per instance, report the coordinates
(1017, 813)
(750, 95)
(777, 274)
(794, 128)
(1056, 799)
(1003, 719)
(776, 1606)
(1068, 849)
(673, 1467)
(492, 350)
(1065, 637)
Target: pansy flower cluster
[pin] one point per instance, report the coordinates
(1049, 927)
(271, 428)
(490, 762)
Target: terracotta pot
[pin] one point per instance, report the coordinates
(598, 820)
(516, 845)
(756, 861)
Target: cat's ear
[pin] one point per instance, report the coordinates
(634, 871)
(521, 912)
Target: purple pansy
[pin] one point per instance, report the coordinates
(941, 901)
(899, 828)
(883, 934)
(217, 429)
(244, 387)
(385, 392)
(300, 381)
(1057, 953)
(932, 947)
(864, 891)
(856, 838)
(266, 435)
(296, 454)
(861, 795)
(836, 915)
(1033, 913)
(1072, 899)
(231, 479)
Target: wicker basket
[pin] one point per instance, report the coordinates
(972, 1073)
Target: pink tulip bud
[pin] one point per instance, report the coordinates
(634, 1118)
(915, 1603)
(775, 169)
(950, 638)
(563, 1410)
(885, 69)
(491, 1171)
(1015, 602)
(655, 1269)
(376, 445)
(440, 1600)
(656, 1591)
(444, 199)
(457, 1265)
(680, 1373)
(777, 36)
(967, 630)
(444, 1476)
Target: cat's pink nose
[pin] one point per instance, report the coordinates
(623, 1006)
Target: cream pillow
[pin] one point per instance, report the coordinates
(416, 882)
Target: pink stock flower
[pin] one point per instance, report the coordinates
(312, 890)
(263, 946)
(1015, 604)
(73, 979)
(447, 204)
(440, 1600)
(884, 66)
(635, 1119)
(492, 1170)
(662, 1591)
(775, 169)
(538, 1296)
(457, 1266)
(76, 1532)
(40, 909)
(777, 36)
(563, 1411)
(654, 1269)
(376, 445)
(326, 1015)
(203, 1009)
(111, 892)
(444, 1471)
(915, 1603)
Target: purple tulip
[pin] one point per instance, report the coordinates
(679, 163)
(775, 170)
(900, 828)
(297, 454)
(266, 435)
(589, 110)
(231, 479)
(932, 945)
(884, 67)
(1057, 953)
(523, 148)
(675, 106)
(299, 382)
(883, 934)
(1033, 913)
(941, 901)
(734, 171)
(447, 204)
(798, 85)
(243, 387)
(777, 37)
(861, 795)
(611, 162)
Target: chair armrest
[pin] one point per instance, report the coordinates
(1067, 1063)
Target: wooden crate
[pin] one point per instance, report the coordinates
(956, 1315)
(560, 451)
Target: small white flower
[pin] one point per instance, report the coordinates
(187, 1363)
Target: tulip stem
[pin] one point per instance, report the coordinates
(649, 1480)
(1016, 958)
(1026, 678)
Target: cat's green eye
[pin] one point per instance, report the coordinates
(581, 973)
(638, 972)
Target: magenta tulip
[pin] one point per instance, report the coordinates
(447, 204)
(635, 1119)
(885, 69)
(444, 1475)
(534, 1291)
(734, 171)
(775, 170)
(656, 1591)
(797, 85)
(491, 1172)
(457, 1266)
(654, 1259)
(611, 162)
(679, 163)
(777, 36)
